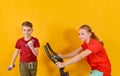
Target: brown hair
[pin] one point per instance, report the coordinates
(27, 23)
(88, 28)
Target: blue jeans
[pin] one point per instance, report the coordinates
(96, 73)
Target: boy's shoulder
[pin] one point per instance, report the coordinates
(34, 38)
(22, 38)
(19, 39)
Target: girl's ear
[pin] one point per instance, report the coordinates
(90, 34)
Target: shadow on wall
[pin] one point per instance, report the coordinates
(57, 36)
(71, 37)
(49, 68)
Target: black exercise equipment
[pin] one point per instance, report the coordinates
(54, 58)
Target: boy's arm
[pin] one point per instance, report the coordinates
(75, 52)
(16, 52)
(34, 50)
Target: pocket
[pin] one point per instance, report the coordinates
(34, 65)
(22, 66)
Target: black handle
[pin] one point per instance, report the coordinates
(54, 58)
(48, 45)
(48, 53)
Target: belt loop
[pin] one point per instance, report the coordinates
(30, 64)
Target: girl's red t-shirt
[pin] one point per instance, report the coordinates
(98, 60)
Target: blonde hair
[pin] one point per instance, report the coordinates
(88, 29)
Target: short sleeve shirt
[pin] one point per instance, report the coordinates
(98, 59)
(26, 54)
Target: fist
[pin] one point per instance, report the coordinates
(30, 43)
(60, 64)
(10, 67)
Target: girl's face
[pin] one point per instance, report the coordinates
(84, 35)
(26, 31)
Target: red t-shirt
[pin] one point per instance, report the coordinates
(98, 59)
(26, 54)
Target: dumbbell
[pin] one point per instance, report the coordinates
(10, 68)
(27, 44)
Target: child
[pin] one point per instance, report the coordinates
(28, 48)
(93, 51)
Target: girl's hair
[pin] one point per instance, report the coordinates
(27, 23)
(88, 29)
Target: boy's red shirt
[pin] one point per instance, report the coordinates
(26, 54)
(98, 59)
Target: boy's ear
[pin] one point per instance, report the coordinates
(32, 30)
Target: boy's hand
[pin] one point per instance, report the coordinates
(10, 67)
(30, 43)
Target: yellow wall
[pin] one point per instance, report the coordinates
(57, 22)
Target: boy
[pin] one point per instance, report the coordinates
(28, 48)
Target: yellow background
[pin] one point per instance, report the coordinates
(57, 22)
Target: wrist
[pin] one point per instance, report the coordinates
(65, 64)
(64, 57)
(12, 64)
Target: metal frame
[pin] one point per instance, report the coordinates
(54, 58)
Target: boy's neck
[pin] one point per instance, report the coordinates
(27, 38)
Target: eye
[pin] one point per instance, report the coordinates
(81, 34)
(28, 30)
(24, 30)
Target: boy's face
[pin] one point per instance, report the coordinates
(26, 31)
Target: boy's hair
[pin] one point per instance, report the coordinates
(27, 23)
(88, 29)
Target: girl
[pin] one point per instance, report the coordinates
(93, 51)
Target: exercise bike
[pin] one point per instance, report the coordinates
(54, 58)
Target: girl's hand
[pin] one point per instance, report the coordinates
(60, 55)
(60, 64)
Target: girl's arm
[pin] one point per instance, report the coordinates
(34, 50)
(14, 57)
(75, 52)
(74, 59)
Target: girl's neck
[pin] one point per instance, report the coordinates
(88, 40)
(27, 38)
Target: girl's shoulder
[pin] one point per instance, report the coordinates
(95, 42)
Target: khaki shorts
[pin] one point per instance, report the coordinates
(28, 69)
